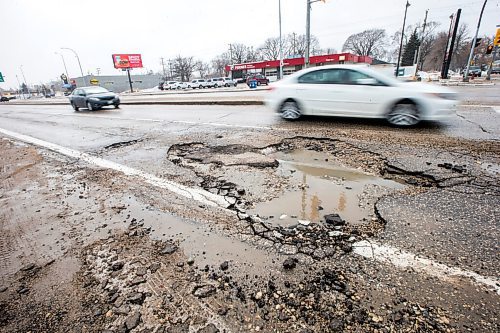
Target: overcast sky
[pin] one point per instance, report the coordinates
(33, 30)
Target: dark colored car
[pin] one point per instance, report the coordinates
(93, 98)
(261, 79)
(495, 70)
(474, 70)
(4, 99)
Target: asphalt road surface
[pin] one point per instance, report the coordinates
(212, 218)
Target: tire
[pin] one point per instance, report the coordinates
(404, 114)
(258, 83)
(90, 107)
(117, 106)
(290, 110)
(76, 108)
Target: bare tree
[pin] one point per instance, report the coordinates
(220, 62)
(367, 43)
(270, 50)
(296, 45)
(462, 47)
(202, 67)
(183, 67)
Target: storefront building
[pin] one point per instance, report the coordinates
(271, 68)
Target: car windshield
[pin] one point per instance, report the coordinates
(95, 90)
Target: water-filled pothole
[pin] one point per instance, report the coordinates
(320, 186)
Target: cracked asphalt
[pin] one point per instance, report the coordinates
(88, 246)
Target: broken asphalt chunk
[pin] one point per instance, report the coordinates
(169, 249)
(334, 219)
(202, 291)
(290, 263)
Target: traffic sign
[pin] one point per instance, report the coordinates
(496, 41)
(94, 81)
(1, 77)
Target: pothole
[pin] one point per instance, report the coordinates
(319, 186)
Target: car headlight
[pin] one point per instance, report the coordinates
(94, 99)
(448, 96)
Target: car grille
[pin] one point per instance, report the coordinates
(106, 98)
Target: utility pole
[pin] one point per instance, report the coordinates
(466, 76)
(163, 67)
(402, 35)
(450, 52)
(130, 80)
(452, 16)
(281, 44)
(98, 70)
(231, 58)
(421, 42)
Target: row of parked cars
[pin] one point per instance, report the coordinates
(216, 82)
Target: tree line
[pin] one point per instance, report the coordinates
(376, 43)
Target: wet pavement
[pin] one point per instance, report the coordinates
(143, 258)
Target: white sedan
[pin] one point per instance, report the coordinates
(358, 91)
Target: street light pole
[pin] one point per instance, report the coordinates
(64, 63)
(281, 43)
(421, 42)
(402, 35)
(79, 64)
(471, 54)
(24, 78)
(308, 30)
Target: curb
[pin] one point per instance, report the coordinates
(254, 102)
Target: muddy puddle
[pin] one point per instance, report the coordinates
(320, 186)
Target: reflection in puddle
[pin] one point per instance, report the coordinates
(323, 187)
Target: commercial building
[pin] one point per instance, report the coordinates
(271, 68)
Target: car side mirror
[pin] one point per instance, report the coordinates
(367, 82)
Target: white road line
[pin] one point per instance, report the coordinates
(401, 258)
(199, 195)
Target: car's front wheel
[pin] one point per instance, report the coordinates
(90, 106)
(74, 106)
(290, 110)
(404, 114)
(117, 106)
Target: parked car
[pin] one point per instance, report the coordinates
(160, 85)
(495, 70)
(197, 83)
(228, 82)
(474, 70)
(169, 85)
(4, 99)
(218, 82)
(179, 85)
(353, 91)
(210, 83)
(93, 98)
(261, 79)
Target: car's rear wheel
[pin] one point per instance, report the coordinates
(404, 114)
(90, 106)
(74, 106)
(290, 110)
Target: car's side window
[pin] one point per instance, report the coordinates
(358, 78)
(324, 76)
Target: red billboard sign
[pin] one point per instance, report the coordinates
(127, 60)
